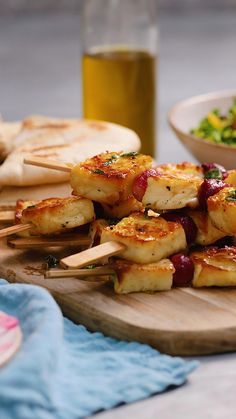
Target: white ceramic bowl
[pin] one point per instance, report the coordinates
(187, 114)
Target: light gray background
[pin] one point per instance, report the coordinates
(40, 65)
(39, 73)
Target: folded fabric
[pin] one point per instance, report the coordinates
(63, 371)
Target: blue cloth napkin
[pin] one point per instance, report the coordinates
(63, 371)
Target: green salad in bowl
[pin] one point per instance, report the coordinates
(218, 128)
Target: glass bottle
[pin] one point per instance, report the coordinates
(119, 40)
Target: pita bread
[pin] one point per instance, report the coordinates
(10, 194)
(8, 132)
(66, 140)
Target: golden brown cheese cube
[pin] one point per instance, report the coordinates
(56, 215)
(133, 277)
(175, 187)
(231, 178)
(108, 178)
(222, 210)
(214, 267)
(95, 231)
(147, 239)
(207, 233)
(122, 208)
(20, 206)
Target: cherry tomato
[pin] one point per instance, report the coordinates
(208, 188)
(140, 183)
(187, 223)
(184, 270)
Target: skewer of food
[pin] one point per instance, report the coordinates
(44, 223)
(114, 190)
(146, 250)
(202, 268)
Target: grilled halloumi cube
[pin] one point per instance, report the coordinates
(147, 239)
(108, 178)
(56, 215)
(133, 277)
(231, 178)
(122, 208)
(222, 210)
(20, 206)
(95, 231)
(207, 233)
(214, 267)
(175, 186)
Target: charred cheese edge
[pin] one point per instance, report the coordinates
(132, 277)
(108, 178)
(222, 210)
(147, 239)
(231, 178)
(122, 208)
(21, 205)
(175, 187)
(214, 267)
(207, 233)
(95, 231)
(55, 215)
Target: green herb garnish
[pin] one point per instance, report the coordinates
(213, 174)
(90, 267)
(130, 154)
(99, 172)
(111, 160)
(146, 213)
(231, 197)
(51, 261)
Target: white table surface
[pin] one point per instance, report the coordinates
(39, 73)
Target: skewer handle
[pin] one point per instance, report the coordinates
(7, 217)
(79, 273)
(94, 254)
(49, 164)
(14, 229)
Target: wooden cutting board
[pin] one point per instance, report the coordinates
(178, 322)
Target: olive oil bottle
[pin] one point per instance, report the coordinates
(119, 86)
(119, 65)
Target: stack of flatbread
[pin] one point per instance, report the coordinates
(8, 131)
(66, 140)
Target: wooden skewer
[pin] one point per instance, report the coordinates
(4, 232)
(34, 242)
(7, 217)
(79, 273)
(49, 164)
(94, 254)
(7, 207)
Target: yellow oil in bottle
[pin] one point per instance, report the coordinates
(119, 86)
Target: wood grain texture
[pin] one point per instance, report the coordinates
(74, 239)
(178, 322)
(7, 217)
(79, 273)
